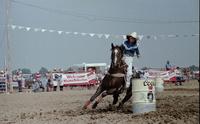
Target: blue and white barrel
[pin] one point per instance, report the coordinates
(143, 99)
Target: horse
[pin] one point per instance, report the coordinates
(114, 81)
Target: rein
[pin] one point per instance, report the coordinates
(119, 75)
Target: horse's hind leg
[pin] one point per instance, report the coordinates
(115, 98)
(127, 97)
(97, 93)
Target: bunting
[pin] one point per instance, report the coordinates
(98, 35)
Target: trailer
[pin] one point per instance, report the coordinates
(2, 84)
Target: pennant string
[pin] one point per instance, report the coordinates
(106, 36)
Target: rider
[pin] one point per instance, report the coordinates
(130, 47)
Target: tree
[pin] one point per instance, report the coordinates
(14, 72)
(26, 71)
(194, 68)
(43, 70)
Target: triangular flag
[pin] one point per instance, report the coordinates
(43, 30)
(51, 31)
(60, 32)
(162, 36)
(116, 36)
(155, 37)
(99, 35)
(91, 34)
(171, 35)
(28, 28)
(124, 37)
(36, 29)
(20, 27)
(75, 33)
(13, 26)
(148, 36)
(83, 34)
(195, 34)
(140, 37)
(67, 32)
(107, 36)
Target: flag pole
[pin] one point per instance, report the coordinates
(7, 51)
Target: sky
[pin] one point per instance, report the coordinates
(29, 49)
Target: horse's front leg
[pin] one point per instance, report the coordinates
(99, 99)
(97, 93)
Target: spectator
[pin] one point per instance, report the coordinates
(37, 82)
(168, 66)
(2, 75)
(49, 81)
(19, 80)
(179, 77)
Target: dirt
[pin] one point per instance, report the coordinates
(175, 105)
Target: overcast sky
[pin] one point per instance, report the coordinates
(147, 17)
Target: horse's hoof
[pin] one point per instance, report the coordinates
(86, 105)
(120, 106)
(111, 107)
(94, 105)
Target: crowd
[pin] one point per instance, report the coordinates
(37, 82)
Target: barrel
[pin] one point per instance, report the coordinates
(143, 99)
(159, 84)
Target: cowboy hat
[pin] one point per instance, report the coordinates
(134, 35)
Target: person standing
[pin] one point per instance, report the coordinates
(19, 80)
(130, 48)
(49, 81)
(168, 66)
(37, 82)
(179, 76)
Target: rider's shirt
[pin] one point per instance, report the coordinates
(130, 49)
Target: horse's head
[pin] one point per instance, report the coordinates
(116, 55)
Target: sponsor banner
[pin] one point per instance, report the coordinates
(165, 75)
(73, 78)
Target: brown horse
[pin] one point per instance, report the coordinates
(114, 81)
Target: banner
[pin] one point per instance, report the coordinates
(165, 75)
(73, 78)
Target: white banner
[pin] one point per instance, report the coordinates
(73, 78)
(165, 75)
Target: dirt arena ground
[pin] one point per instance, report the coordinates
(175, 105)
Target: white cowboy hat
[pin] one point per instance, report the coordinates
(134, 35)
